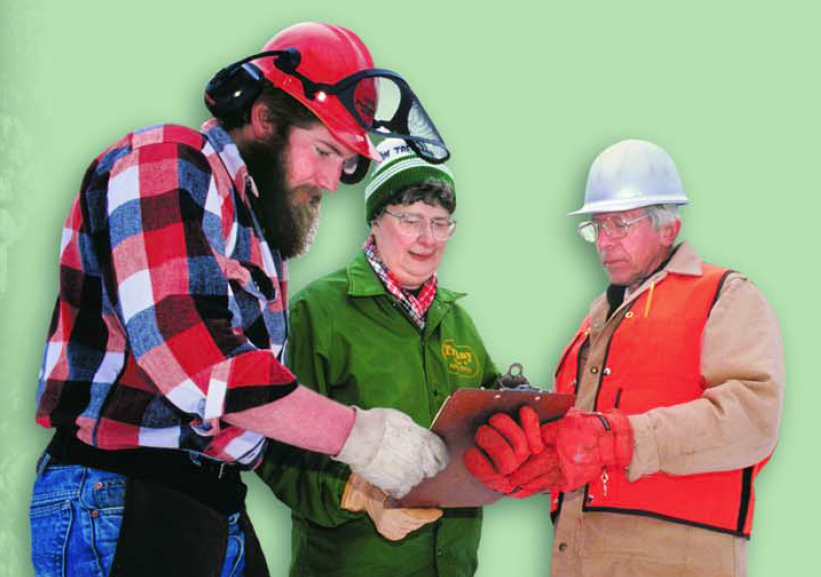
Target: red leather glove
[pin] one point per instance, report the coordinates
(507, 444)
(541, 470)
(532, 468)
(540, 473)
(587, 443)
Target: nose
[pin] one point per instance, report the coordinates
(426, 235)
(604, 240)
(327, 176)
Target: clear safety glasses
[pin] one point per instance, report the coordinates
(615, 227)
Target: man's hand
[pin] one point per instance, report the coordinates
(587, 443)
(392, 524)
(512, 447)
(539, 474)
(386, 448)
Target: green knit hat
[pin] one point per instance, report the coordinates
(399, 168)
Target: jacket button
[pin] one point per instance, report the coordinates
(628, 315)
(562, 546)
(594, 370)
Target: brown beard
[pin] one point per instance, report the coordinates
(288, 227)
(306, 222)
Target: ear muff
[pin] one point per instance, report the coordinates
(232, 90)
(356, 170)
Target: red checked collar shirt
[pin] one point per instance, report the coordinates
(172, 308)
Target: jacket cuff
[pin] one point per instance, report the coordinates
(645, 449)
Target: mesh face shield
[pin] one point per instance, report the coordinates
(398, 114)
(379, 101)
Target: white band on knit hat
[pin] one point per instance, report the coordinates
(400, 167)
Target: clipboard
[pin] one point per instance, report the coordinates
(456, 422)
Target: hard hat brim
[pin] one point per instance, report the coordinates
(621, 204)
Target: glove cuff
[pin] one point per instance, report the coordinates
(358, 493)
(622, 439)
(364, 440)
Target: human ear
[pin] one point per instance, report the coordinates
(669, 232)
(261, 123)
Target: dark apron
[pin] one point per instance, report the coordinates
(175, 520)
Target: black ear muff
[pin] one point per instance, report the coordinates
(232, 90)
(288, 60)
(356, 171)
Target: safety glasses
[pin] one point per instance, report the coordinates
(615, 227)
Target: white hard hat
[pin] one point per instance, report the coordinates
(631, 174)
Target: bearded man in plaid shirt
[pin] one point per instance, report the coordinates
(163, 372)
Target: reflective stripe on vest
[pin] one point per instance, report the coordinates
(653, 360)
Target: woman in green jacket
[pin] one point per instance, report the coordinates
(381, 332)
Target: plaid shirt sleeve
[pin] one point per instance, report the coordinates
(190, 302)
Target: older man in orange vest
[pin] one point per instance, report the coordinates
(678, 375)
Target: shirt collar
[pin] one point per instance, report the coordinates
(684, 261)
(228, 152)
(363, 282)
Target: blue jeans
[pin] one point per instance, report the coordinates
(76, 514)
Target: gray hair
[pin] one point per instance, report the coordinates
(433, 193)
(663, 214)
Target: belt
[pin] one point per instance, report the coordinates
(215, 483)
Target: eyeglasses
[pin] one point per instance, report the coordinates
(399, 113)
(616, 227)
(414, 225)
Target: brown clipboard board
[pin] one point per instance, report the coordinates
(458, 418)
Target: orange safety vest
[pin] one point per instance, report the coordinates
(653, 360)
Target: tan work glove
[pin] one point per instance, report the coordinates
(393, 524)
(389, 450)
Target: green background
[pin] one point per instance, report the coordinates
(525, 94)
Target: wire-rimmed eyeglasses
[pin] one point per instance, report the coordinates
(615, 227)
(412, 225)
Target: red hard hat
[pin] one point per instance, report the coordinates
(328, 54)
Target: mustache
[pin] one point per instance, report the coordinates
(314, 193)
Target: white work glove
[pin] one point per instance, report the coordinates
(387, 449)
(393, 524)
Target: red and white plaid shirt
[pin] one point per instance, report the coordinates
(172, 309)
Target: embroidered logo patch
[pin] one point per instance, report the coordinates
(461, 359)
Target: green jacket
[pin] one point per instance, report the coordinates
(351, 342)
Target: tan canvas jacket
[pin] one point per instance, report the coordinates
(734, 425)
